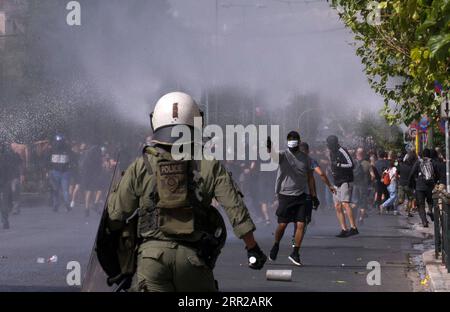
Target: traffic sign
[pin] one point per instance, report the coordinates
(412, 132)
(424, 123)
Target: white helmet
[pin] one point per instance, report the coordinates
(175, 108)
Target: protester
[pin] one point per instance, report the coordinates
(60, 162)
(389, 178)
(381, 192)
(361, 174)
(91, 172)
(374, 178)
(441, 171)
(21, 158)
(77, 152)
(342, 171)
(423, 177)
(304, 147)
(294, 185)
(10, 164)
(405, 193)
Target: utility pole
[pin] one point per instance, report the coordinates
(445, 113)
(447, 147)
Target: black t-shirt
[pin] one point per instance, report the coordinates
(404, 170)
(60, 158)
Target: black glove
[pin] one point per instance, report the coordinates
(256, 258)
(315, 202)
(269, 144)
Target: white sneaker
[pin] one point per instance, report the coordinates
(72, 204)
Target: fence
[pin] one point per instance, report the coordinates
(442, 225)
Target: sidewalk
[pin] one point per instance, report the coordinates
(437, 274)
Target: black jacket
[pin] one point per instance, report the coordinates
(441, 171)
(416, 178)
(404, 171)
(341, 166)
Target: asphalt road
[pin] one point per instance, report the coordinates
(330, 263)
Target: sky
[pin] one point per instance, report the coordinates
(132, 52)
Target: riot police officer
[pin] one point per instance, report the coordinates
(179, 231)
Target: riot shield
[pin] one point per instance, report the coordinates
(95, 278)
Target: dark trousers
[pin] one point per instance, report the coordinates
(380, 190)
(421, 197)
(5, 202)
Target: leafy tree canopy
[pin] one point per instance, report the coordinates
(404, 47)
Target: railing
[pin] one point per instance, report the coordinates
(442, 225)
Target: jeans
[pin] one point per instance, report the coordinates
(59, 183)
(392, 189)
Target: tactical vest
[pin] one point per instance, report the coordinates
(175, 206)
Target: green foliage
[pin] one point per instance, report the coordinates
(404, 53)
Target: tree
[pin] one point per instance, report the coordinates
(383, 135)
(404, 47)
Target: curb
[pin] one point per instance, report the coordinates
(437, 273)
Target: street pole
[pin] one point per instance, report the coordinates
(447, 155)
(445, 113)
(447, 147)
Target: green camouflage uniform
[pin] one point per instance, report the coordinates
(163, 263)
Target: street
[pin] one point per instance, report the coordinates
(330, 263)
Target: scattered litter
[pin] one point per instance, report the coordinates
(340, 282)
(40, 260)
(358, 259)
(53, 259)
(343, 265)
(424, 282)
